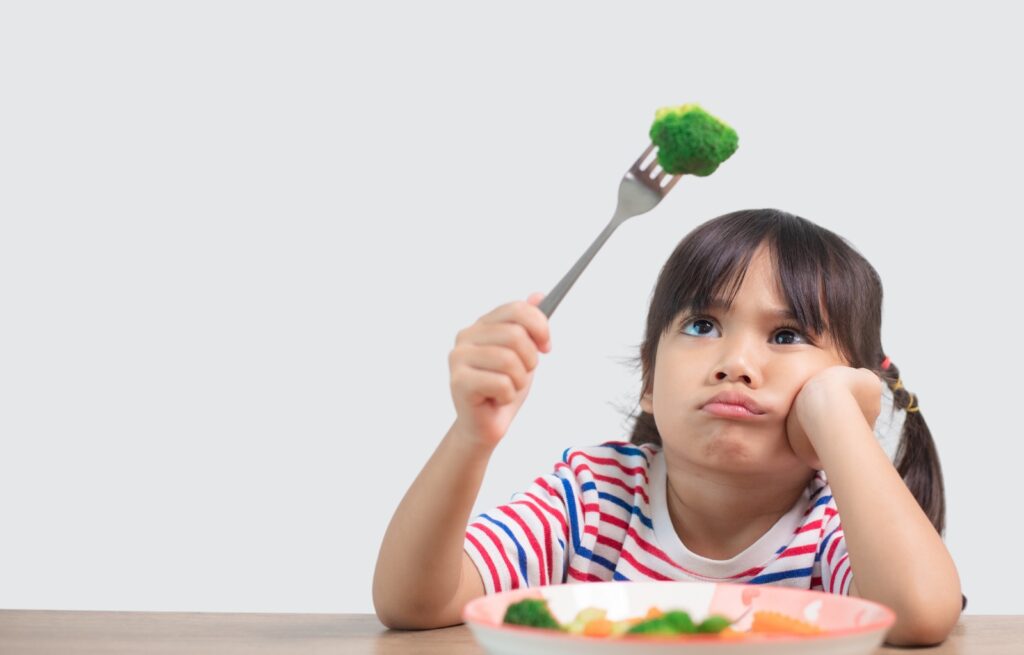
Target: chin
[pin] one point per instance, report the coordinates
(737, 449)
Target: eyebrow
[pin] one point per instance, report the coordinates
(775, 312)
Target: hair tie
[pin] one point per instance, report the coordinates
(912, 405)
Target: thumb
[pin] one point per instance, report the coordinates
(534, 299)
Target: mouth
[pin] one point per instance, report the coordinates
(729, 410)
(733, 404)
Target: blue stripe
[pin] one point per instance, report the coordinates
(821, 501)
(824, 544)
(627, 450)
(632, 509)
(781, 575)
(565, 455)
(570, 506)
(588, 486)
(589, 554)
(619, 576)
(779, 551)
(522, 553)
(565, 570)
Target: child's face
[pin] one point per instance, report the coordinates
(746, 350)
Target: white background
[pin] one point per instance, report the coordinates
(237, 241)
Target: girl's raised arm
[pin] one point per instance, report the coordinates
(423, 576)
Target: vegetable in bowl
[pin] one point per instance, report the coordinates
(593, 622)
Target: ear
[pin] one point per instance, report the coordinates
(647, 403)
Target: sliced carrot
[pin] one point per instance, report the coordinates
(777, 623)
(653, 613)
(597, 628)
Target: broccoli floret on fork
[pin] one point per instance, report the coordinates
(691, 141)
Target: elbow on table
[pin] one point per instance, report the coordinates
(409, 616)
(930, 624)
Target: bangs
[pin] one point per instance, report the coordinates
(813, 274)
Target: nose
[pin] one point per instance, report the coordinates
(736, 364)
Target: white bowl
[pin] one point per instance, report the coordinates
(850, 626)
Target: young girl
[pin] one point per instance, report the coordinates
(753, 458)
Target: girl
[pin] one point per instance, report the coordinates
(753, 458)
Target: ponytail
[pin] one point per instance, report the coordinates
(917, 460)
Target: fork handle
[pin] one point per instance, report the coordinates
(551, 300)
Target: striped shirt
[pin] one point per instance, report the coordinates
(602, 514)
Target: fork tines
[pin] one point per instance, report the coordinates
(646, 169)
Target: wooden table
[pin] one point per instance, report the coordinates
(173, 633)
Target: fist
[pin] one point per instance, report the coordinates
(824, 399)
(492, 367)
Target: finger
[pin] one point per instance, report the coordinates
(481, 386)
(535, 299)
(529, 316)
(508, 335)
(496, 359)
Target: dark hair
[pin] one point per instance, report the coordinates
(814, 266)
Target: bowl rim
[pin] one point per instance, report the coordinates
(471, 615)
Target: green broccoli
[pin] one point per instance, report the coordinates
(668, 624)
(714, 624)
(676, 622)
(532, 612)
(690, 140)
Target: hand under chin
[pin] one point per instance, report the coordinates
(800, 443)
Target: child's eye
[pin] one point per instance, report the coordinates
(794, 331)
(695, 322)
(703, 326)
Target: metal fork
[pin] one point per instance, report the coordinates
(641, 189)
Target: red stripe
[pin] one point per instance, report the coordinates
(836, 538)
(487, 560)
(591, 507)
(634, 490)
(549, 568)
(842, 585)
(590, 529)
(543, 484)
(534, 544)
(585, 577)
(799, 550)
(651, 549)
(839, 565)
(816, 582)
(553, 512)
(830, 511)
(629, 470)
(649, 572)
(608, 541)
(497, 544)
(613, 520)
(813, 525)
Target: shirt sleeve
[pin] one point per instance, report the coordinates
(525, 542)
(836, 574)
